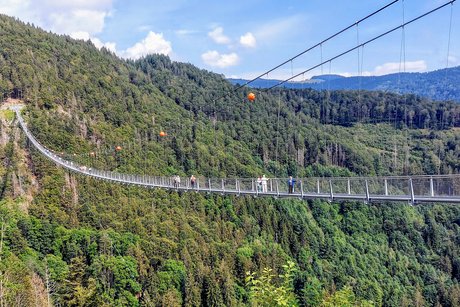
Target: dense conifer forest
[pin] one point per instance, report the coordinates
(69, 240)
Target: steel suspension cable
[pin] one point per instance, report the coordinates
(359, 74)
(405, 168)
(449, 41)
(278, 132)
(328, 93)
(363, 44)
(450, 32)
(321, 93)
(320, 43)
(360, 63)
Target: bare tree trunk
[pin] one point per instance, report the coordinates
(50, 287)
(2, 290)
(395, 158)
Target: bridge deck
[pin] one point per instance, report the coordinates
(412, 189)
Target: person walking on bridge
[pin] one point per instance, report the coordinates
(176, 180)
(259, 184)
(192, 181)
(291, 184)
(264, 184)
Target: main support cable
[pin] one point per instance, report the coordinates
(320, 43)
(363, 44)
(450, 33)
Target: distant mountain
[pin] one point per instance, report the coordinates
(327, 77)
(438, 85)
(266, 83)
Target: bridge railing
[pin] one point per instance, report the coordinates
(446, 186)
(424, 188)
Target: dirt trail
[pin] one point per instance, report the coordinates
(10, 102)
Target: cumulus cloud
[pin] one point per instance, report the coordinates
(215, 59)
(248, 40)
(153, 43)
(218, 36)
(88, 4)
(61, 16)
(15, 7)
(77, 20)
(395, 67)
(96, 41)
(390, 68)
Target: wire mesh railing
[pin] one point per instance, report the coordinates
(413, 189)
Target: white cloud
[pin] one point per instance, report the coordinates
(96, 41)
(218, 36)
(75, 4)
(153, 43)
(78, 20)
(215, 59)
(61, 16)
(108, 45)
(14, 7)
(395, 67)
(80, 35)
(389, 68)
(248, 40)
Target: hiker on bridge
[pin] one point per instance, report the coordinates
(259, 184)
(291, 184)
(264, 184)
(192, 181)
(176, 180)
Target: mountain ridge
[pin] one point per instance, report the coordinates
(437, 85)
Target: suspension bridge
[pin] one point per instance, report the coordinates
(411, 189)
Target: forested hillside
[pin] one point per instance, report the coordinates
(73, 241)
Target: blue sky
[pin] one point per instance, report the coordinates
(245, 38)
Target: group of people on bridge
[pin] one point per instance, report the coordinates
(261, 183)
(176, 181)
